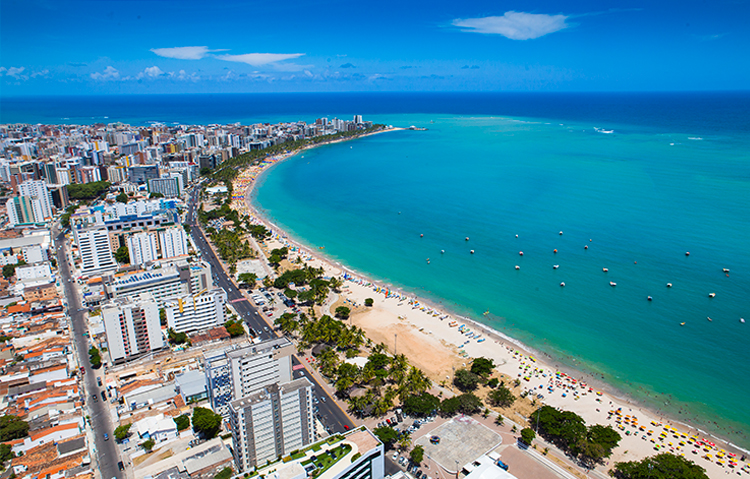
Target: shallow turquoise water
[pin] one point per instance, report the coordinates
(640, 194)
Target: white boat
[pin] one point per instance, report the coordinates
(612, 283)
(562, 285)
(555, 266)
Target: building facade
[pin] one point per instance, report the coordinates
(94, 248)
(132, 327)
(197, 313)
(173, 242)
(271, 423)
(142, 248)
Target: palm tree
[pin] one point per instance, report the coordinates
(398, 368)
(417, 382)
(404, 442)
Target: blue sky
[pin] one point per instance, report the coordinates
(50, 47)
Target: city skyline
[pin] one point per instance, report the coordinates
(135, 47)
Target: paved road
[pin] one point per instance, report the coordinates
(332, 416)
(106, 451)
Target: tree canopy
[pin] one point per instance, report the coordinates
(661, 466)
(122, 255)
(206, 422)
(420, 405)
(95, 358)
(482, 366)
(501, 397)
(87, 191)
(11, 427)
(465, 380)
(183, 422)
(122, 197)
(121, 432)
(387, 435)
(343, 312)
(568, 430)
(467, 403)
(417, 454)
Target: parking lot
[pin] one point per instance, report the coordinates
(462, 440)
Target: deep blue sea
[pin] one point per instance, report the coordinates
(640, 179)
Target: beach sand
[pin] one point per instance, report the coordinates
(424, 334)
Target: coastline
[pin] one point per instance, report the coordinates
(369, 288)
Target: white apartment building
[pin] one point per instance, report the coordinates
(94, 248)
(132, 327)
(169, 186)
(142, 248)
(173, 242)
(197, 313)
(271, 423)
(37, 189)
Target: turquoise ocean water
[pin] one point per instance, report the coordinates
(641, 194)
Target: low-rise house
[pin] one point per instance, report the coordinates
(159, 428)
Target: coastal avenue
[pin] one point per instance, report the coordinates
(100, 421)
(332, 416)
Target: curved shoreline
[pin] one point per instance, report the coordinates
(612, 391)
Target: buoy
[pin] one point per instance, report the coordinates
(518, 267)
(687, 253)
(605, 269)
(421, 236)
(560, 233)
(590, 240)
(467, 238)
(555, 251)
(742, 320)
(562, 284)
(711, 295)
(442, 251)
(586, 247)
(520, 253)
(650, 298)
(516, 236)
(472, 251)
(669, 285)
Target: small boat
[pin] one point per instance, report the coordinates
(726, 270)
(555, 266)
(605, 269)
(472, 251)
(467, 238)
(682, 324)
(518, 267)
(586, 247)
(650, 298)
(687, 253)
(562, 285)
(560, 233)
(486, 312)
(481, 339)
(669, 285)
(442, 251)
(711, 295)
(421, 236)
(520, 253)
(612, 283)
(709, 318)
(555, 251)
(516, 236)
(742, 320)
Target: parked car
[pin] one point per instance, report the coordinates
(99, 381)
(106, 436)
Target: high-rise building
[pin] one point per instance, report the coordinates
(142, 248)
(271, 423)
(142, 173)
(169, 186)
(38, 189)
(132, 327)
(33, 205)
(94, 248)
(197, 313)
(173, 242)
(246, 369)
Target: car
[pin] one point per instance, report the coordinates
(106, 436)
(265, 328)
(388, 421)
(99, 381)
(395, 456)
(346, 427)
(323, 398)
(121, 466)
(104, 396)
(393, 420)
(94, 397)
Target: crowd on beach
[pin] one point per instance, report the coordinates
(550, 386)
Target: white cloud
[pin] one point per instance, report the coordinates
(258, 59)
(184, 53)
(150, 72)
(515, 25)
(3, 70)
(42, 73)
(17, 73)
(109, 73)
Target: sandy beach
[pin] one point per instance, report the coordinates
(438, 343)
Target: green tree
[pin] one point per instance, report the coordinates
(290, 293)
(467, 403)
(482, 366)
(122, 198)
(162, 316)
(9, 270)
(156, 195)
(121, 432)
(420, 405)
(205, 171)
(225, 473)
(87, 191)
(234, 328)
(369, 302)
(387, 435)
(206, 422)
(177, 338)
(527, 435)
(148, 445)
(247, 278)
(417, 454)
(465, 380)
(564, 428)
(11, 427)
(122, 255)
(6, 454)
(183, 422)
(95, 358)
(501, 397)
(661, 466)
(343, 312)
(493, 382)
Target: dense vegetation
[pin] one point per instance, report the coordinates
(568, 431)
(234, 328)
(87, 191)
(177, 338)
(122, 255)
(95, 358)
(11, 427)
(121, 432)
(65, 218)
(183, 422)
(206, 422)
(662, 466)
